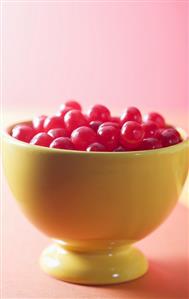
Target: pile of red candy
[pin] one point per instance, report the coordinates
(97, 130)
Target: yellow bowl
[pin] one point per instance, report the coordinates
(94, 205)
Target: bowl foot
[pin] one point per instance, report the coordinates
(122, 264)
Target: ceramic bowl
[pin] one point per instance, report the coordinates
(94, 206)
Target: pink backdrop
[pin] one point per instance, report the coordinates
(118, 54)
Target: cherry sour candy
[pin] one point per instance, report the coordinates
(97, 130)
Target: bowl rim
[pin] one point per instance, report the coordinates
(6, 134)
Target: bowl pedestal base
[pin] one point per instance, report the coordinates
(100, 267)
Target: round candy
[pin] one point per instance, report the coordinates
(59, 132)
(62, 143)
(150, 129)
(95, 124)
(108, 136)
(63, 111)
(23, 133)
(99, 112)
(131, 114)
(53, 122)
(38, 122)
(42, 139)
(169, 137)
(157, 118)
(150, 143)
(71, 104)
(96, 147)
(82, 137)
(110, 123)
(74, 119)
(132, 134)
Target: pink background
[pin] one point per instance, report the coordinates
(119, 54)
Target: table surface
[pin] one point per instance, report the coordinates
(166, 250)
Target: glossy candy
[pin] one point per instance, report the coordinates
(42, 139)
(62, 143)
(169, 137)
(99, 112)
(38, 122)
(53, 122)
(82, 137)
(95, 124)
(151, 143)
(97, 130)
(131, 114)
(23, 133)
(157, 118)
(74, 119)
(63, 110)
(71, 104)
(96, 147)
(132, 134)
(150, 129)
(59, 132)
(108, 136)
(110, 123)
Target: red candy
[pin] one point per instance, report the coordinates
(53, 122)
(38, 122)
(74, 119)
(42, 139)
(120, 149)
(169, 137)
(23, 133)
(151, 143)
(63, 111)
(98, 131)
(55, 133)
(132, 134)
(82, 137)
(99, 112)
(108, 136)
(157, 118)
(71, 104)
(62, 143)
(110, 123)
(131, 114)
(150, 129)
(95, 124)
(115, 119)
(96, 147)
